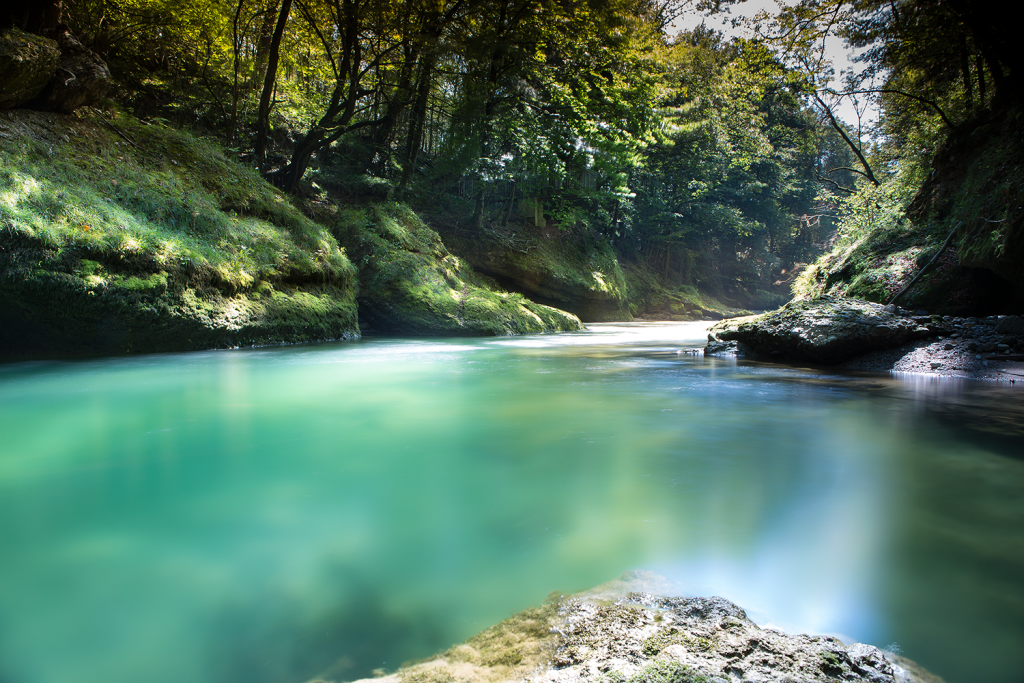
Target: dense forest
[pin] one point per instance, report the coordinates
(462, 166)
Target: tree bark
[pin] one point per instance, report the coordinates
(263, 116)
(417, 118)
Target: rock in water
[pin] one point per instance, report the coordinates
(27, 64)
(827, 330)
(606, 635)
(81, 78)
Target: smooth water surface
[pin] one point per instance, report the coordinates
(274, 515)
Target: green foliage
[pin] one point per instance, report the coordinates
(732, 170)
(878, 249)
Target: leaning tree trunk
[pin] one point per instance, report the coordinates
(269, 82)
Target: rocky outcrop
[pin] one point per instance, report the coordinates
(977, 183)
(27, 64)
(81, 78)
(606, 636)
(826, 330)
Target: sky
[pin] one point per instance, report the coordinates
(840, 54)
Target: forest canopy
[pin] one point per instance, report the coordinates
(686, 151)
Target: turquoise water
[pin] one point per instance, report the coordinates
(271, 515)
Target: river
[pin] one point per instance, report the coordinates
(270, 515)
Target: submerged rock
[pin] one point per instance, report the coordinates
(607, 636)
(827, 330)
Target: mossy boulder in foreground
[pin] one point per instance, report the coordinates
(613, 634)
(826, 330)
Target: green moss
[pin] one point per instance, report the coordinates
(171, 199)
(672, 636)
(667, 672)
(164, 244)
(650, 297)
(411, 284)
(976, 188)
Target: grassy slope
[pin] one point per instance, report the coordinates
(158, 243)
(411, 284)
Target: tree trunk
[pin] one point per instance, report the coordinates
(235, 49)
(263, 117)
(417, 118)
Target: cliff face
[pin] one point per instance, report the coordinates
(977, 183)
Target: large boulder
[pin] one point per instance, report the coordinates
(27, 64)
(639, 637)
(81, 78)
(826, 330)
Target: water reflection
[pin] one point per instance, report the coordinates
(327, 510)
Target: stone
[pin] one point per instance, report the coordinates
(81, 78)
(612, 633)
(727, 349)
(826, 330)
(1012, 325)
(27, 64)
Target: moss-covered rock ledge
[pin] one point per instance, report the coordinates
(614, 634)
(117, 237)
(409, 283)
(826, 330)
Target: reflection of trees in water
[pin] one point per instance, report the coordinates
(343, 636)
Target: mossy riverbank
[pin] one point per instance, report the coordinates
(118, 236)
(132, 237)
(965, 220)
